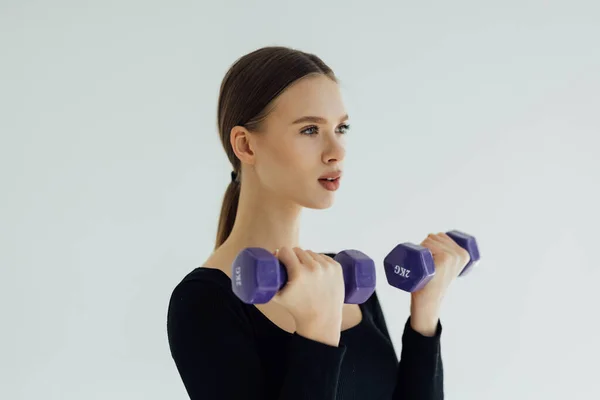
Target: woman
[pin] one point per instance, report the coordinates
(282, 123)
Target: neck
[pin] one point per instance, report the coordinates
(264, 220)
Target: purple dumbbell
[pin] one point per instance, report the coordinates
(410, 267)
(257, 275)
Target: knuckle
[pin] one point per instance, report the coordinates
(464, 253)
(329, 267)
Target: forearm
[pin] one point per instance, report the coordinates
(424, 318)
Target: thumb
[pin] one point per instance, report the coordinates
(289, 261)
(286, 256)
(277, 297)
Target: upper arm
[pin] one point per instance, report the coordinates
(214, 354)
(378, 317)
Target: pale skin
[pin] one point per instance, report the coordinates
(281, 166)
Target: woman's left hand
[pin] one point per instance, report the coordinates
(449, 260)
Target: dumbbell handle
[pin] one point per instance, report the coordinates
(270, 274)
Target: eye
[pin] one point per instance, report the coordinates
(311, 130)
(346, 128)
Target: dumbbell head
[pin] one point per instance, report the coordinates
(257, 275)
(359, 275)
(409, 267)
(468, 243)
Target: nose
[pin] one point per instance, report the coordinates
(335, 150)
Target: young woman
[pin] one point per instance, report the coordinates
(282, 123)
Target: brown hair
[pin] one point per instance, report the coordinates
(248, 88)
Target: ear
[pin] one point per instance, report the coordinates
(241, 141)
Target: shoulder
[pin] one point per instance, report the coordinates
(202, 284)
(209, 277)
(204, 294)
(202, 281)
(205, 319)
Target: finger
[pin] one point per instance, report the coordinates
(460, 251)
(289, 258)
(454, 248)
(446, 249)
(452, 243)
(443, 236)
(305, 258)
(434, 246)
(444, 242)
(285, 252)
(439, 253)
(321, 258)
(437, 237)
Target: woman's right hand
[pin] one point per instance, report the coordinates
(314, 293)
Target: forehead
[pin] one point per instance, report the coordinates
(311, 95)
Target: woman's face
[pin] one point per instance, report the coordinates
(295, 151)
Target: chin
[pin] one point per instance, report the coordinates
(315, 198)
(315, 203)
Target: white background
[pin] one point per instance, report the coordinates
(477, 116)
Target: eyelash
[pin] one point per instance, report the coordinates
(303, 132)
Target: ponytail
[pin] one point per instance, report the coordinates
(228, 210)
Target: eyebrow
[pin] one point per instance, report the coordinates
(317, 120)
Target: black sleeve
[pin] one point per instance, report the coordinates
(216, 357)
(420, 370)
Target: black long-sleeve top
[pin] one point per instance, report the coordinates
(226, 349)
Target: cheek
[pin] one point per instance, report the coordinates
(295, 156)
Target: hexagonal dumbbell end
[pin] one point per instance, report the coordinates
(257, 275)
(468, 243)
(359, 275)
(409, 267)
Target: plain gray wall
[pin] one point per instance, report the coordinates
(478, 116)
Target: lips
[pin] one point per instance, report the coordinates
(329, 179)
(331, 176)
(331, 184)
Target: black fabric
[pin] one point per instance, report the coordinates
(225, 349)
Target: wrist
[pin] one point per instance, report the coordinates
(327, 332)
(424, 326)
(424, 320)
